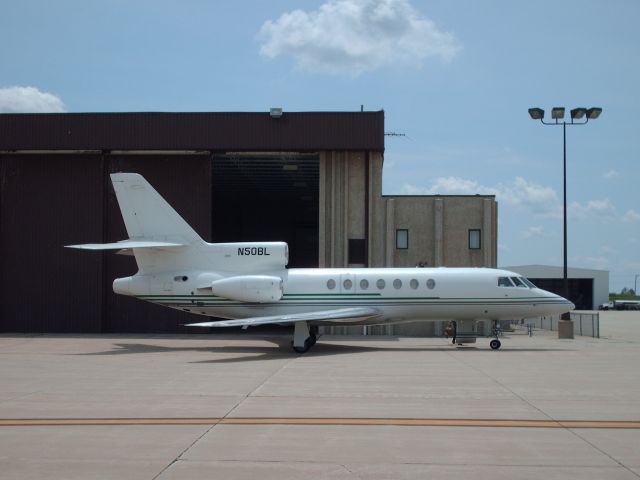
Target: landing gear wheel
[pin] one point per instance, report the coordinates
(495, 344)
(308, 343)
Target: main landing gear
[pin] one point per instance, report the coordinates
(304, 337)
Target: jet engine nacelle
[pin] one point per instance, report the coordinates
(249, 288)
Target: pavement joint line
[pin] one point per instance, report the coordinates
(414, 422)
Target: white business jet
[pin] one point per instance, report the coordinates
(248, 283)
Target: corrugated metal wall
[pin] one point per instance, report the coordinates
(221, 131)
(48, 201)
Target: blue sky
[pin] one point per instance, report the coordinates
(456, 77)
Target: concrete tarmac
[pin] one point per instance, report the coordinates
(242, 406)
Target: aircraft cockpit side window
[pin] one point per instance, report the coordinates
(528, 282)
(504, 282)
(518, 282)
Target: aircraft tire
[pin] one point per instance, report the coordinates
(495, 344)
(307, 345)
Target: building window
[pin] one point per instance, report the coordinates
(357, 249)
(474, 239)
(402, 239)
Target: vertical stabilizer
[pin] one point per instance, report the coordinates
(149, 219)
(146, 214)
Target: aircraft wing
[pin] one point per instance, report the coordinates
(337, 315)
(126, 244)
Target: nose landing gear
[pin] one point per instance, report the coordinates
(495, 343)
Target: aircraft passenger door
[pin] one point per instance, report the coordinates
(347, 283)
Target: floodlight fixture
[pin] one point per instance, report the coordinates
(593, 113)
(578, 113)
(557, 114)
(536, 113)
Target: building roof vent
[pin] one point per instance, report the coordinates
(275, 112)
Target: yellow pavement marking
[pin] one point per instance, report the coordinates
(415, 422)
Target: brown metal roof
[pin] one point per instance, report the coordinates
(216, 131)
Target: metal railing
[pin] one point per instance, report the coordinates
(586, 324)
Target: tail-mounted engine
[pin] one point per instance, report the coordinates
(249, 288)
(249, 257)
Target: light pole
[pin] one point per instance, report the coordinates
(557, 115)
(635, 286)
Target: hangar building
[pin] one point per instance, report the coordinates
(587, 288)
(312, 179)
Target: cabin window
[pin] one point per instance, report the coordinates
(364, 284)
(504, 282)
(397, 284)
(431, 284)
(413, 284)
(518, 283)
(331, 284)
(347, 284)
(402, 239)
(380, 284)
(474, 240)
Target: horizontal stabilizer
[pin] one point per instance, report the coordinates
(337, 316)
(125, 244)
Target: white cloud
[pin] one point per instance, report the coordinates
(534, 232)
(29, 100)
(611, 174)
(593, 208)
(354, 36)
(520, 192)
(540, 200)
(631, 216)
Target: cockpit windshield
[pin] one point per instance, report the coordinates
(520, 282)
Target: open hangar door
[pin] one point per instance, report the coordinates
(580, 290)
(268, 197)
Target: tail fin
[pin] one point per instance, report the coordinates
(159, 238)
(146, 214)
